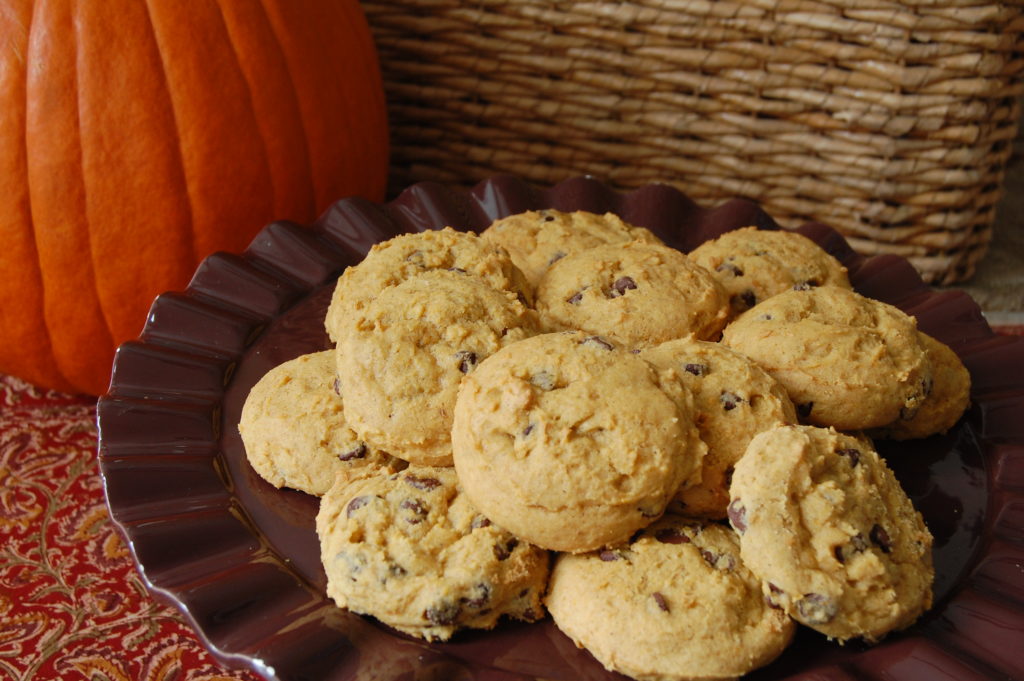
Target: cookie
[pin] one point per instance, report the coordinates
(846, 360)
(295, 433)
(827, 527)
(676, 603)
(636, 293)
(949, 398)
(410, 550)
(537, 239)
(393, 261)
(401, 360)
(571, 442)
(754, 264)
(734, 399)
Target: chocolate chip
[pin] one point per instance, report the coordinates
(670, 535)
(443, 613)
(543, 380)
(697, 369)
(527, 430)
(467, 360)
(598, 342)
(357, 452)
(575, 298)
(881, 538)
(730, 268)
(356, 504)
(659, 598)
(503, 550)
(480, 521)
(729, 400)
(719, 561)
(337, 386)
(479, 597)
(417, 508)
(549, 218)
(804, 410)
(621, 285)
(805, 285)
(608, 555)
(425, 484)
(852, 454)
(837, 551)
(457, 270)
(817, 609)
(908, 413)
(737, 515)
(769, 598)
(555, 258)
(743, 300)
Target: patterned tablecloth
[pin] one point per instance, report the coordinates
(71, 603)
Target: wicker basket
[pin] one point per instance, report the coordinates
(890, 121)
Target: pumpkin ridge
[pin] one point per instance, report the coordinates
(26, 345)
(72, 314)
(288, 159)
(307, 142)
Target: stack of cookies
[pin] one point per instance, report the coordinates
(671, 454)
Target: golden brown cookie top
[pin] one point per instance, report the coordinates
(754, 264)
(637, 293)
(846, 360)
(393, 261)
(295, 433)
(734, 400)
(409, 549)
(677, 602)
(572, 442)
(401, 361)
(827, 527)
(537, 239)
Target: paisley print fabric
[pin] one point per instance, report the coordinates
(71, 603)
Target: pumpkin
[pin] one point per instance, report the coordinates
(138, 136)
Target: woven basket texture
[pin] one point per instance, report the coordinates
(890, 121)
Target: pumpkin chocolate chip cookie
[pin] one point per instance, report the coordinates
(754, 264)
(734, 399)
(675, 603)
(393, 261)
(949, 398)
(636, 293)
(401, 360)
(846, 360)
(537, 239)
(295, 433)
(827, 527)
(410, 550)
(571, 442)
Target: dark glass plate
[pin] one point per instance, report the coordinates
(241, 559)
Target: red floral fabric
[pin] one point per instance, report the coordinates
(71, 603)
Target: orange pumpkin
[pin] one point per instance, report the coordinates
(139, 136)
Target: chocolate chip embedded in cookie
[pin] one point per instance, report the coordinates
(827, 527)
(401, 361)
(636, 293)
(393, 261)
(675, 603)
(846, 360)
(295, 433)
(410, 550)
(754, 265)
(537, 239)
(571, 442)
(734, 398)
